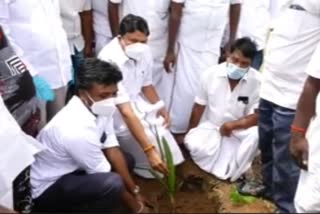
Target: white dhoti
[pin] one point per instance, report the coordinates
(307, 199)
(17, 151)
(153, 125)
(189, 67)
(162, 81)
(100, 42)
(224, 157)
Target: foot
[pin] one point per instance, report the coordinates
(254, 188)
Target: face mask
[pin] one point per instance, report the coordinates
(104, 107)
(235, 72)
(135, 51)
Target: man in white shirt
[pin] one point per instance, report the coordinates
(255, 23)
(290, 47)
(74, 173)
(131, 53)
(304, 145)
(35, 30)
(76, 17)
(156, 13)
(101, 25)
(223, 139)
(195, 32)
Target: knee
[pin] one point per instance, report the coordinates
(130, 161)
(112, 184)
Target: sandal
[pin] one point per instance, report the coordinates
(253, 188)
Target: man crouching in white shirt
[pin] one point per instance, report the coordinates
(223, 139)
(73, 174)
(142, 117)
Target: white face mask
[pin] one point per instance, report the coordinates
(135, 51)
(104, 107)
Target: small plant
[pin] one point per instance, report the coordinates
(169, 181)
(237, 198)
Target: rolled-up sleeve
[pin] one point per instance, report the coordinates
(235, 1)
(111, 139)
(202, 93)
(87, 5)
(178, 1)
(122, 95)
(116, 1)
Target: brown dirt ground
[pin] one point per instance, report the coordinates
(213, 197)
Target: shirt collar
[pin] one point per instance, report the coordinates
(116, 53)
(77, 105)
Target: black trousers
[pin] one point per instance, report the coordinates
(81, 192)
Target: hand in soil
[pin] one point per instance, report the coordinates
(145, 201)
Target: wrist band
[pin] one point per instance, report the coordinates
(141, 207)
(148, 148)
(298, 129)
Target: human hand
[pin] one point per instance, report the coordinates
(226, 129)
(156, 162)
(43, 89)
(167, 120)
(299, 148)
(88, 52)
(169, 61)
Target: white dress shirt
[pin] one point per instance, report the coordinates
(223, 104)
(35, 30)
(17, 151)
(255, 21)
(135, 75)
(204, 20)
(290, 47)
(70, 10)
(73, 138)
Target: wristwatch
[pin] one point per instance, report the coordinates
(136, 190)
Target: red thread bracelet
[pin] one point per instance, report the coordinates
(298, 129)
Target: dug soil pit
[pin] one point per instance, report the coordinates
(202, 194)
(187, 200)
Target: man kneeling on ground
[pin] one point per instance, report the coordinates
(223, 139)
(73, 174)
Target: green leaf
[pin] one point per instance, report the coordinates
(237, 198)
(171, 178)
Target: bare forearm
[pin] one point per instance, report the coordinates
(174, 24)
(246, 122)
(196, 115)
(235, 11)
(113, 10)
(307, 103)
(119, 164)
(151, 94)
(86, 24)
(137, 130)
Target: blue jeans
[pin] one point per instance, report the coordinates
(279, 171)
(258, 60)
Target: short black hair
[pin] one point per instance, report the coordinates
(246, 46)
(93, 70)
(132, 23)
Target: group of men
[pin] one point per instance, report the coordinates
(89, 88)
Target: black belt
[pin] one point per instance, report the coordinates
(296, 7)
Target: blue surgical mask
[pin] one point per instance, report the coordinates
(235, 72)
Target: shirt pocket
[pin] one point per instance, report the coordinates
(240, 107)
